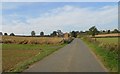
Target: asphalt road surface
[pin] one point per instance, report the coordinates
(74, 57)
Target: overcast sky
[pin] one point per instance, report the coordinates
(23, 17)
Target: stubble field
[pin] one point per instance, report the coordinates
(20, 52)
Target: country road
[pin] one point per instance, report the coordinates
(74, 57)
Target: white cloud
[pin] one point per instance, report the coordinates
(67, 18)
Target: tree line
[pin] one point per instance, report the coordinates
(58, 33)
(11, 34)
(92, 31)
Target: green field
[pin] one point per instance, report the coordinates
(108, 40)
(17, 57)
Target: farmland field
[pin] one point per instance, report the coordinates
(108, 40)
(19, 56)
(31, 40)
(108, 35)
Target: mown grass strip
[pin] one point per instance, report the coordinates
(109, 59)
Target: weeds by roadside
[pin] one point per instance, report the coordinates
(108, 53)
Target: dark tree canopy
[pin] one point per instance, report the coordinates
(33, 33)
(108, 31)
(41, 33)
(93, 31)
(115, 31)
(54, 33)
(74, 34)
(12, 34)
(103, 31)
(5, 34)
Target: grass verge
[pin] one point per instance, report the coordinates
(109, 59)
(21, 56)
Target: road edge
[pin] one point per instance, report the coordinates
(96, 57)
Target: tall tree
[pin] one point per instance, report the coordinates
(93, 31)
(33, 33)
(41, 33)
